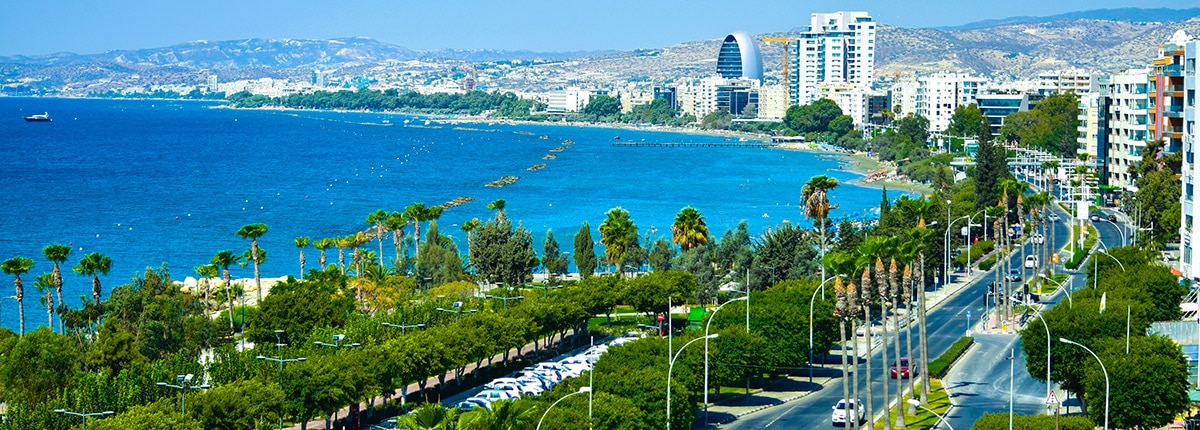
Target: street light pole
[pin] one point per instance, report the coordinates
(457, 312)
(403, 327)
(706, 327)
(1102, 368)
(83, 415)
(281, 361)
(1047, 326)
(581, 390)
(1060, 286)
(811, 302)
(671, 366)
(503, 299)
(183, 386)
(337, 343)
(946, 247)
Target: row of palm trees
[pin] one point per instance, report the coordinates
(93, 264)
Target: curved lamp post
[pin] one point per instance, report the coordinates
(184, 385)
(941, 419)
(1060, 286)
(581, 390)
(1102, 368)
(83, 415)
(811, 302)
(946, 243)
(706, 326)
(1096, 264)
(403, 328)
(1124, 233)
(671, 366)
(1047, 326)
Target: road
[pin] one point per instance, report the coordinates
(946, 324)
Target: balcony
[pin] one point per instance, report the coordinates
(1173, 111)
(1174, 89)
(1178, 129)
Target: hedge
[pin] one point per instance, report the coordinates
(939, 366)
(977, 250)
(986, 265)
(999, 421)
(1081, 252)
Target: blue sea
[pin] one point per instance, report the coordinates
(148, 182)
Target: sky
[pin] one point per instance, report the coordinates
(30, 27)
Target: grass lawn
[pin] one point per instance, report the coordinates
(939, 401)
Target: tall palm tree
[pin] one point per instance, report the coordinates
(504, 415)
(45, 284)
(470, 226)
(614, 234)
(301, 243)
(416, 213)
(357, 240)
(689, 229)
(865, 296)
(16, 266)
(396, 223)
(342, 243)
(883, 287)
(432, 416)
(253, 232)
(94, 264)
(841, 310)
(206, 272)
(815, 197)
(379, 220)
(920, 238)
(894, 288)
(322, 245)
(498, 206)
(223, 260)
(57, 253)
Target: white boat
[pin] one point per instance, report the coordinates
(42, 117)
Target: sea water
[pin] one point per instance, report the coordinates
(148, 182)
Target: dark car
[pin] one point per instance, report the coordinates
(1014, 275)
(1112, 218)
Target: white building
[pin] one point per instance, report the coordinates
(700, 98)
(838, 47)
(1127, 124)
(852, 99)
(1191, 170)
(570, 99)
(772, 102)
(938, 95)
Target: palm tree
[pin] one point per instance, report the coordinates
(396, 224)
(16, 266)
(57, 253)
(253, 232)
(504, 415)
(416, 213)
(206, 272)
(919, 237)
(223, 260)
(94, 264)
(498, 206)
(614, 234)
(301, 243)
(357, 240)
(45, 284)
(842, 311)
(469, 227)
(814, 194)
(322, 245)
(689, 229)
(894, 288)
(432, 416)
(342, 243)
(379, 220)
(865, 294)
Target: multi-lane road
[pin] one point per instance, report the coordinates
(980, 382)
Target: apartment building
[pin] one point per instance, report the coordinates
(838, 47)
(1128, 124)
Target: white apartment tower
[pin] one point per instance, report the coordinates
(1191, 170)
(838, 47)
(1128, 127)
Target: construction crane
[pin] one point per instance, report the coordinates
(787, 77)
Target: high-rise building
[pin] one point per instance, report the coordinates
(771, 102)
(739, 58)
(667, 93)
(838, 47)
(1128, 124)
(1166, 89)
(937, 96)
(1190, 223)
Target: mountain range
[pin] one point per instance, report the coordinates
(1098, 40)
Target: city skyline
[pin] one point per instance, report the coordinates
(87, 27)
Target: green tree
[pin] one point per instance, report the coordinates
(94, 265)
(841, 125)
(966, 121)
(689, 229)
(160, 415)
(916, 127)
(297, 308)
(245, 404)
(17, 266)
(815, 196)
(615, 234)
(1148, 385)
(37, 366)
(991, 166)
(661, 254)
(552, 260)
(503, 415)
(439, 258)
(57, 253)
(432, 416)
(812, 118)
(585, 251)
(503, 255)
(253, 232)
(602, 107)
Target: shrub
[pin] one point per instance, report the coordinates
(999, 421)
(986, 265)
(978, 249)
(939, 366)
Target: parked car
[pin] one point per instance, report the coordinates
(494, 395)
(1038, 239)
(1014, 275)
(1031, 262)
(856, 410)
(472, 403)
(904, 371)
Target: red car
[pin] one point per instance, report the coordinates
(905, 370)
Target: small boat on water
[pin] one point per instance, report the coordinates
(41, 117)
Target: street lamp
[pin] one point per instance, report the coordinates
(545, 288)
(457, 311)
(1060, 286)
(1047, 326)
(83, 415)
(280, 360)
(184, 382)
(403, 328)
(941, 419)
(811, 302)
(1065, 340)
(946, 247)
(1096, 264)
(706, 326)
(337, 343)
(581, 390)
(504, 299)
(1124, 233)
(671, 366)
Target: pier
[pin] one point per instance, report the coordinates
(756, 144)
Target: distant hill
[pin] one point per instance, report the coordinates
(1128, 14)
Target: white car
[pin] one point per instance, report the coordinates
(1038, 239)
(1031, 262)
(857, 412)
(1053, 217)
(472, 403)
(578, 364)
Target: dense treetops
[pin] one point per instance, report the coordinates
(504, 105)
